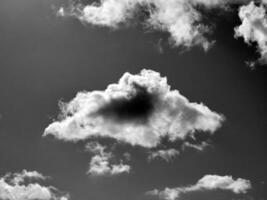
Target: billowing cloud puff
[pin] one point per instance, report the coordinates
(100, 163)
(139, 110)
(21, 177)
(207, 183)
(254, 27)
(23, 186)
(177, 17)
(213, 182)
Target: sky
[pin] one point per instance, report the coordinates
(133, 99)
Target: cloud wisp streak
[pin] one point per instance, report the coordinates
(206, 183)
(165, 154)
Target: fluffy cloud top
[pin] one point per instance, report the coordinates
(207, 183)
(14, 187)
(20, 178)
(254, 27)
(140, 110)
(100, 163)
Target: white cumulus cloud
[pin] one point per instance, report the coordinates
(14, 187)
(207, 183)
(20, 177)
(253, 28)
(100, 163)
(139, 110)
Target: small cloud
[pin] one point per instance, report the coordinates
(24, 186)
(167, 155)
(19, 178)
(61, 12)
(213, 182)
(100, 164)
(253, 28)
(207, 183)
(198, 147)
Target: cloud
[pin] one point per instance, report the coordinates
(19, 178)
(253, 28)
(167, 155)
(179, 18)
(198, 147)
(207, 183)
(170, 154)
(139, 110)
(100, 163)
(182, 19)
(23, 186)
(219, 3)
(210, 3)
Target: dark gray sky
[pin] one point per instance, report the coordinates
(44, 59)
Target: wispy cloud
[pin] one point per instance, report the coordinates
(165, 154)
(199, 147)
(207, 183)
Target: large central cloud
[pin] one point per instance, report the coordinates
(140, 110)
